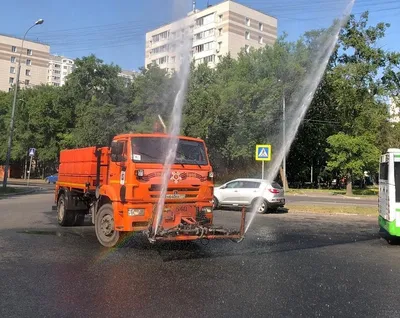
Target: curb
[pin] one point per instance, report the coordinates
(331, 196)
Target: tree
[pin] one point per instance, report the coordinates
(351, 156)
(97, 97)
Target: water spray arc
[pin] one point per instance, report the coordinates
(304, 96)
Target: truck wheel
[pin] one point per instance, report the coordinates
(105, 227)
(79, 218)
(65, 217)
(260, 205)
(215, 203)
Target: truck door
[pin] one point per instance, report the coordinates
(117, 173)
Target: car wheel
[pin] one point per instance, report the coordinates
(259, 205)
(215, 203)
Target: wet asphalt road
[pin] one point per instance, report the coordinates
(290, 265)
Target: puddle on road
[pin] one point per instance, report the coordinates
(53, 233)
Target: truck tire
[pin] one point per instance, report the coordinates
(65, 217)
(105, 227)
(79, 218)
(215, 203)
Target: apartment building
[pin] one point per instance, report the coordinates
(213, 32)
(34, 62)
(394, 110)
(127, 76)
(59, 68)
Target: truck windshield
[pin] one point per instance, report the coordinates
(154, 149)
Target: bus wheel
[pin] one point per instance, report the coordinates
(65, 217)
(105, 227)
(393, 240)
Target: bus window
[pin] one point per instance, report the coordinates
(397, 180)
(384, 171)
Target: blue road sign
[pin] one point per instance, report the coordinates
(263, 152)
(32, 152)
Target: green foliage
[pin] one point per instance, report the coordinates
(233, 106)
(352, 155)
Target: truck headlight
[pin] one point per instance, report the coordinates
(140, 173)
(210, 175)
(206, 209)
(135, 212)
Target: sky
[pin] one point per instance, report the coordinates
(115, 30)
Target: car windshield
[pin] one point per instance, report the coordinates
(154, 149)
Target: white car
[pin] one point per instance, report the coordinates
(254, 193)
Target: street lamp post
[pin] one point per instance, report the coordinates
(9, 144)
(284, 141)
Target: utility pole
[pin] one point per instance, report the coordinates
(16, 85)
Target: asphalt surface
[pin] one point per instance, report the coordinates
(289, 265)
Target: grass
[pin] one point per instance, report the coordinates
(373, 191)
(323, 209)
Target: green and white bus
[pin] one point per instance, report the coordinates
(389, 193)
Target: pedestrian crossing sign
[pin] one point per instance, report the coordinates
(263, 152)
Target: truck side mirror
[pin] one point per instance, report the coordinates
(117, 151)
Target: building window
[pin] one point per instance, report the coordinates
(209, 59)
(9, 89)
(247, 21)
(204, 47)
(12, 70)
(57, 65)
(64, 61)
(65, 67)
(161, 36)
(220, 18)
(220, 31)
(261, 26)
(204, 34)
(247, 35)
(247, 48)
(12, 60)
(28, 72)
(163, 60)
(11, 80)
(219, 46)
(28, 52)
(260, 40)
(14, 49)
(26, 82)
(28, 62)
(205, 20)
(173, 59)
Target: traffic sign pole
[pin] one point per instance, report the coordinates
(262, 169)
(32, 152)
(29, 171)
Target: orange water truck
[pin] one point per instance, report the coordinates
(119, 187)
